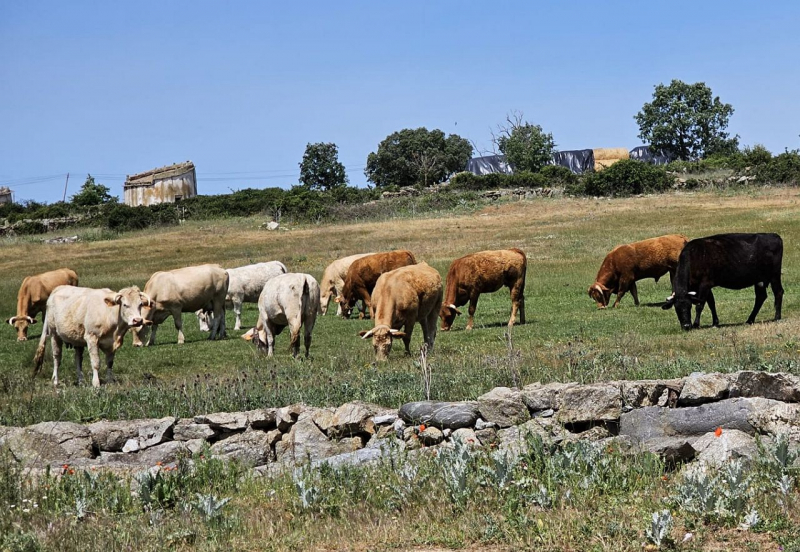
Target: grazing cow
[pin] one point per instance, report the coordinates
(287, 300)
(484, 272)
(93, 318)
(333, 281)
(627, 263)
(732, 261)
(33, 294)
(244, 286)
(185, 290)
(363, 274)
(403, 297)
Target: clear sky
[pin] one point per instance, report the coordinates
(239, 88)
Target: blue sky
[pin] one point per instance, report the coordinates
(115, 88)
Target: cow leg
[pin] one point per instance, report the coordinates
(634, 293)
(56, 343)
(761, 296)
(473, 304)
(79, 364)
(109, 366)
(138, 333)
(237, 308)
(177, 317)
(517, 303)
(153, 330)
(94, 356)
(408, 329)
(367, 301)
(712, 306)
(699, 311)
(270, 330)
(777, 291)
(429, 327)
(623, 287)
(308, 327)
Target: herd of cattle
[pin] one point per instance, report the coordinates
(398, 291)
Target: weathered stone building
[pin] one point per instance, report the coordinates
(163, 185)
(5, 195)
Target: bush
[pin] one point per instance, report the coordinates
(494, 181)
(559, 176)
(781, 169)
(627, 177)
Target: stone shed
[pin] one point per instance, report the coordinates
(5, 195)
(163, 185)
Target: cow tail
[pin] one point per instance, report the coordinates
(38, 358)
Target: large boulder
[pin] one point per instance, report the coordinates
(354, 418)
(74, 439)
(779, 386)
(155, 432)
(636, 394)
(503, 406)
(164, 453)
(306, 442)
(444, 415)
(111, 436)
(597, 402)
(776, 418)
(544, 397)
(716, 448)
(699, 388)
(188, 430)
(288, 415)
(261, 418)
(251, 447)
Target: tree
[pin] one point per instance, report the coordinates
(91, 194)
(685, 121)
(527, 147)
(320, 168)
(417, 156)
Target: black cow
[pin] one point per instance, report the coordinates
(733, 261)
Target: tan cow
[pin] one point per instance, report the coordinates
(33, 294)
(402, 298)
(484, 272)
(333, 281)
(96, 319)
(628, 263)
(185, 290)
(287, 300)
(363, 274)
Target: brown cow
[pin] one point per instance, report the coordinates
(363, 274)
(404, 297)
(33, 294)
(484, 272)
(628, 263)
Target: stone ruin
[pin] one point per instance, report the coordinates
(709, 417)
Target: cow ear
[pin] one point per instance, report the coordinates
(397, 333)
(337, 300)
(111, 301)
(454, 309)
(11, 320)
(669, 302)
(248, 335)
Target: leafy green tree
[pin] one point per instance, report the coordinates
(417, 156)
(91, 193)
(527, 147)
(321, 169)
(686, 121)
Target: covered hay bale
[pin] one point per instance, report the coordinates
(606, 154)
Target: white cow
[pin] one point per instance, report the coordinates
(333, 280)
(93, 318)
(245, 286)
(287, 300)
(185, 290)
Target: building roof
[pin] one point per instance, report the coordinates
(4, 190)
(147, 178)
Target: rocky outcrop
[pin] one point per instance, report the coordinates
(708, 417)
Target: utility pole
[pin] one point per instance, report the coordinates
(64, 199)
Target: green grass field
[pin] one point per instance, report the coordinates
(566, 337)
(557, 500)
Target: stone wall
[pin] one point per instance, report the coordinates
(710, 417)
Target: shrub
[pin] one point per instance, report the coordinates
(627, 177)
(559, 176)
(30, 227)
(781, 169)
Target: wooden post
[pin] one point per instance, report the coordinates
(64, 199)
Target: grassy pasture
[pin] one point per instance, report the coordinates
(566, 337)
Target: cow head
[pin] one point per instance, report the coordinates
(203, 318)
(683, 306)
(382, 337)
(130, 302)
(324, 299)
(21, 324)
(448, 315)
(258, 338)
(601, 294)
(346, 304)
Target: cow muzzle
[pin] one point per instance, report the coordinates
(136, 323)
(687, 327)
